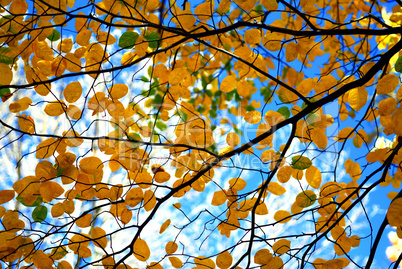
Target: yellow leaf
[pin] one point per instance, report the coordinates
(99, 238)
(387, 106)
(273, 117)
(149, 200)
(330, 189)
(6, 195)
(313, 177)
(394, 215)
(263, 256)
(176, 262)
(204, 11)
(84, 221)
(219, 198)
(237, 184)
(141, 250)
(270, 5)
(276, 189)
(204, 263)
(291, 52)
(232, 139)
(345, 133)
(57, 210)
(41, 260)
(353, 169)
(72, 142)
(276, 263)
(72, 92)
(252, 37)
(281, 247)
(79, 241)
(282, 216)
(224, 260)
(26, 124)
(387, 84)
(253, 117)
(319, 138)
(6, 74)
(74, 112)
(284, 174)
(261, 209)
(46, 148)
(171, 247)
(360, 138)
(162, 177)
(358, 98)
(55, 108)
(228, 84)
(83, 36)
(243, 88)
(64, 265)
(224, 7)
(164, 226)
(50, 190)
(91, 165)
(118, 91)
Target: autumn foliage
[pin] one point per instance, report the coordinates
(200, 134)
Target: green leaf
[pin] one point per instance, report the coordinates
(237, 97)
(144, 79)
(300, 162)
(183, 116)
(258, 9)
(59, 171)
(209, 93)
(237, 131)
(305, 200)
(284, 111)
(39, 214)
(37, 202)
(4, 58)
(311, 119)
(158, 99)
(161, 126)
(212, 114)
(249, 108)
(54, 36)
(127, 40)
(135, 137)
(153, 39)
(4, 91)
(398, 64)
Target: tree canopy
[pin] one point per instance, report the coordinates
(200, 134)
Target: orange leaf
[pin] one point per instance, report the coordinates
(99, 237)
(141, 250)
(394, 215)
(149, 200)
(282, 216)
(164, 226)
(55, 108)
(6, 195)
(281, 246)
(387, 84)
(84, 221)
(171, 247)
(313, 177)
(118, 91)
(72, 92)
